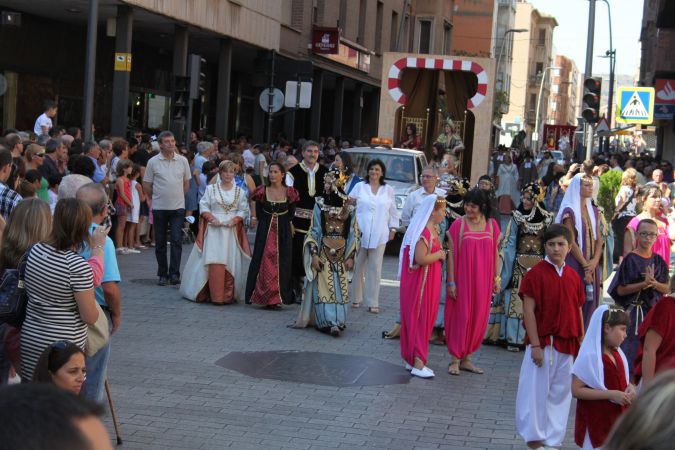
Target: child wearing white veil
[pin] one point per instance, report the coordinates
(578, 213)
(600, 377)
(420, 272)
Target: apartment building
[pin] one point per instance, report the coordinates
(565, 103)
(245, 47)
(530, 72)
(475, 27)
(657, 68)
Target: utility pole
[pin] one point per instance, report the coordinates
(589, 70)
(612, 63)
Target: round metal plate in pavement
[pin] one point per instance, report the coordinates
(326, 369)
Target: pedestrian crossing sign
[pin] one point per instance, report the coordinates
(635, 105)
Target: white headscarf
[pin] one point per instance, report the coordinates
(588, 366)
(415, 229)
(572, 200)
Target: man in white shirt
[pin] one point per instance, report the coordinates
(166, 181)
(44, 121)
(414, 199)
(249, 158)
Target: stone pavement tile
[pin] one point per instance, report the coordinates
(163, 377)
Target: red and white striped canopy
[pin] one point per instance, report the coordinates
(394, 79)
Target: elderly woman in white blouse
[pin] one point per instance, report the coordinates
(378, 219)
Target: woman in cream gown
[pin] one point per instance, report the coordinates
(218, 263)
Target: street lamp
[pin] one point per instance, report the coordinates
(535, 136)
(499, 58)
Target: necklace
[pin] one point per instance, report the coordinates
(227, 207)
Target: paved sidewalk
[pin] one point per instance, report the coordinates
(170, 394)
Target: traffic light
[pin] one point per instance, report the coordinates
(590, 109)
(196, 69)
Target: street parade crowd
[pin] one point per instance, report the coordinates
(518, 260)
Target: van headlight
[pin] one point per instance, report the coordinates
(400, 201)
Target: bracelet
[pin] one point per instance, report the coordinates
(254, 218)
(451, 283)
(97, 246)
(498, 279)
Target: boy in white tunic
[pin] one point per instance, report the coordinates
(552, 295)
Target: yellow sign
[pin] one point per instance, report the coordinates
(123, 62)
(635, 105)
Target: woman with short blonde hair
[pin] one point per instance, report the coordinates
(625, 204)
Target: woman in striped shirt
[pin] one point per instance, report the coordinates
(60, 286)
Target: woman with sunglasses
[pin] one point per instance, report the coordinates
(35, 156)
(62, 364)
(639, 283)
(650, 200)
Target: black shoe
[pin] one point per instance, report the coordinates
(174, 280)
(163, 281)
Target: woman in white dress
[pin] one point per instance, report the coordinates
(507, 193)
(218, 263)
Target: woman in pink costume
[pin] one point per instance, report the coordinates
(650, 198)
(420, 264)
(471, 280)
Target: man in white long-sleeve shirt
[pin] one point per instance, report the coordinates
(429, 179)
(412, 202)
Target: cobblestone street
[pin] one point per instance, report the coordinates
(169, 393)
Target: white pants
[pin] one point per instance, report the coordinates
(544, 397)
(587, 443)
(369, 263)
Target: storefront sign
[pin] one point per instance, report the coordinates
(123, 62)
(325, 41)
(664, 103)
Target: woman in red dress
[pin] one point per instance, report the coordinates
(420, 264)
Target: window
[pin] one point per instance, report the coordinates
(542, 37)
(553, 106)
(539, 68)
(447, 30)
(424, 37)
(555, 89)
(361, 38)
(297, 16)
(533, 103)
(378, 27)
(394, 31)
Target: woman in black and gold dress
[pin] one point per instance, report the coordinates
(269, 275)
(521, 247)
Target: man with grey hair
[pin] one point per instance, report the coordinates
(307, 178)
(107, 294)
(93, 152)
(166, 180)
(204, 151)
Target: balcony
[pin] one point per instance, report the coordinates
(531, 117)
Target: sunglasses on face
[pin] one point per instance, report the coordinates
(644, 234)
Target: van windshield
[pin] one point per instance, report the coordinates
(399, 167)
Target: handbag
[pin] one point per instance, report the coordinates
(13, 296)
(98, 334)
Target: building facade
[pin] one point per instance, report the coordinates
(530, 73)
(565, 104)
(474, 28)
(657, 68)
(245, 47)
